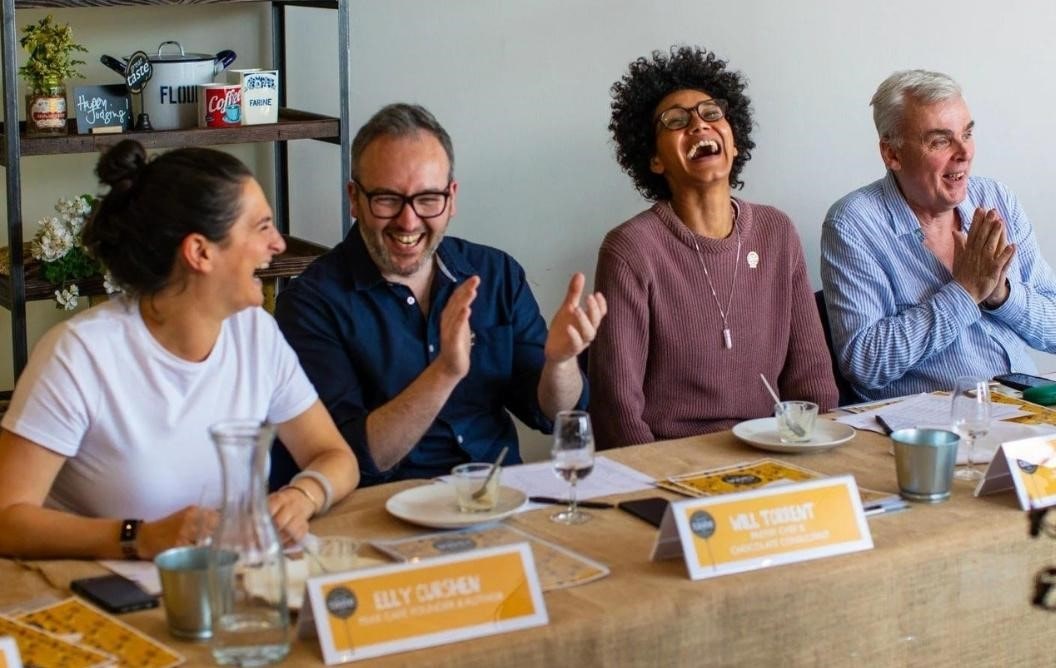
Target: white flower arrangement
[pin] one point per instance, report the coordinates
(60, 249)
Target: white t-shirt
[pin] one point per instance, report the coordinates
(132, 418)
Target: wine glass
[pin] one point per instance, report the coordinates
(970, 416)
(573, 454)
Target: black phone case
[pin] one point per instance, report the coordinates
(114, 593)
(1022, 381)
(650, 510)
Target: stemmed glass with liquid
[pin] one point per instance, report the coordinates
(573, 455)
(970, 417)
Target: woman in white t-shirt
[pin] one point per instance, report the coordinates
(105, 451)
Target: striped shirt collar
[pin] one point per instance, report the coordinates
(904, 221)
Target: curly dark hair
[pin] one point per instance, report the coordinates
(647, 82)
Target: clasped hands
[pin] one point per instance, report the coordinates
(194, 525)
(981, 259)
(572, 328)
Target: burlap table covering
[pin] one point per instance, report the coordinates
(946, 585)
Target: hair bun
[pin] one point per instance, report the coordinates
(121, 166)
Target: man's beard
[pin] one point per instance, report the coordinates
(383, 259)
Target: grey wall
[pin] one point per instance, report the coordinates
(522, 85)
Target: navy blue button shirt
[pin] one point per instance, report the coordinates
(363, 340)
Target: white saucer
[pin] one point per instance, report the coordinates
(762, 433)
(435, 506)
(297, 572)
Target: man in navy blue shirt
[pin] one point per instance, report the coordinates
(418, 343)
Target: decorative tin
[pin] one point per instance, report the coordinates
(219, 106)
(260, 97)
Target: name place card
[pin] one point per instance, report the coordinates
(1027, 466)
(389, 609)
(764, 527)
(9, 657)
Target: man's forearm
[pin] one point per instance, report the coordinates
(394, 428)
(560, 386)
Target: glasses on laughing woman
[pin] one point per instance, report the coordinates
(677, 118)
(386, 204)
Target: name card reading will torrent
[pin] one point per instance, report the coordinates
(764, 527)
(1027, 466)
(389, 609)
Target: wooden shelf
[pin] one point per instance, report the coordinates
(72, 4)
(298, 255)
(293, 124)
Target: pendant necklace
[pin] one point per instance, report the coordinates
(727, 337)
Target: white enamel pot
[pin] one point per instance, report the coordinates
(170, 97)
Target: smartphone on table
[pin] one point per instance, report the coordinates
(650, 510)
(114, 593)
(1022, 381)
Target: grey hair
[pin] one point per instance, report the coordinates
(401, 120)
(889, 101)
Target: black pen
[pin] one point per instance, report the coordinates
(564, 502)
(883, 424)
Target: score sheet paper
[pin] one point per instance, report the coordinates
(1027, 466)
(389, 609)
(764, 527)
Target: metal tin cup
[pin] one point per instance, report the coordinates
(185, 589)
(924, 462)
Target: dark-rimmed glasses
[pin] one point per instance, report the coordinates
(677, 118)
(386, 204)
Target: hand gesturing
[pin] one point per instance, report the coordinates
(981, 258)
(573, 326)
(455, 335)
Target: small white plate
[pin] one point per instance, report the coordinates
(297, 571)
(762, 433)
(435, 506)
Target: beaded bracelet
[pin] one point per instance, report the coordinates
(324, 482)
(311, 498)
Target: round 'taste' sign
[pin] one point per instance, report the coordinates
(138, 71)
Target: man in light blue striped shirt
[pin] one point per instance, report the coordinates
(930, 273)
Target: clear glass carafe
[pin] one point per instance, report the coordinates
(250, 617)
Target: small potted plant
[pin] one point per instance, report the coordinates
(50, 64)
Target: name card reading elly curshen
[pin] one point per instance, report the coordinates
(764, 527)
(389, 609)
(98, 107)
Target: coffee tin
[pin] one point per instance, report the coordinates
(219, 105)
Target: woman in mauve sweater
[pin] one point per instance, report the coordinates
(705, 291)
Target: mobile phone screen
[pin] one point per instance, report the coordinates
(114, 593)
(1021, 381)
(651, 510)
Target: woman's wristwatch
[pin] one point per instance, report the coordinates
(129, 533)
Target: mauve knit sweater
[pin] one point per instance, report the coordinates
(658, 368)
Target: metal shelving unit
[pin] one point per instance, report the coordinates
(24, 284)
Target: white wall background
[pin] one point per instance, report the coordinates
(522, 86)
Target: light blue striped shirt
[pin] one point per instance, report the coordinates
(900, 323)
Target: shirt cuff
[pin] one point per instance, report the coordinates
(962, 308)
(1014, 307)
